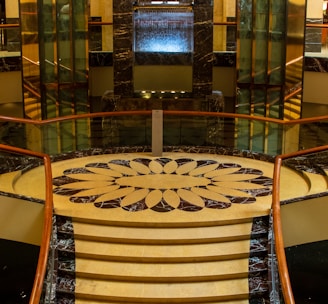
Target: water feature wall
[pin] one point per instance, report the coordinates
(163, 30)
(162, 34)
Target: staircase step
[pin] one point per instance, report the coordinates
(162, 293)
(162, 272)
(139, 235)
(161, 253)
(89, 301)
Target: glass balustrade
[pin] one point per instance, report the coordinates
(195, 129)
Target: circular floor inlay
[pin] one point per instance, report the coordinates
(162, 184)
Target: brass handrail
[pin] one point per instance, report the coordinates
(277, 225)
(47, 223)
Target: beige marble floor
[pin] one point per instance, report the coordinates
(181, 177)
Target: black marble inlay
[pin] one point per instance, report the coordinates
(260, 227)
(257, 265)
(123, 41)
(10, 163)
(181, 149)
(100, 59)
(22, 197)
(10, 63)
(316, 64)
(150, 58)
(59, 286)
(315, 163)
(203, 48)
(263, 278)
(224, 59)
(125, 169)
(258, 286)
(105, 59)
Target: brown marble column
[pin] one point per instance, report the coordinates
(123, 53)
(203, 48)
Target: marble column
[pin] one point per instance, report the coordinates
(203, 48)
(123, 53)
(315, 37)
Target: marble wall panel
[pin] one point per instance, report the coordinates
(316, 64)
(123, 41)
(313, 36)
(203, 48)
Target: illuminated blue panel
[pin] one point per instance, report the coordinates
(163, 31)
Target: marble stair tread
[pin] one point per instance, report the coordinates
(162, 272)
(89, 301)
(161, 253)
(200, 292)
(148, 235)
(174, 219)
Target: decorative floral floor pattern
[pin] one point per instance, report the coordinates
(162, 184)
(138, 187)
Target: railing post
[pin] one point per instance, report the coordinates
(157, 132)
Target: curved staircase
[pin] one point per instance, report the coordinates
(210, 263)
(110, 252)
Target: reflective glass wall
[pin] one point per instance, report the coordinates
(269, 66)
(54, 50)
(55, 63)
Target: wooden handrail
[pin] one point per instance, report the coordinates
(9, 25)
(278, 236)
(317, 25)
(277, 225)
(47, 223)
(100, 23)
(230, 23)
(168, 113)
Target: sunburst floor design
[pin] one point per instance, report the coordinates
(175, 186)
(162, 184)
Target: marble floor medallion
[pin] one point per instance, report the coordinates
(162, 184)
(174, 187)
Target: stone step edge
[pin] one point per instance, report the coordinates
(164, 280)
(200, 300)
(162, 241)
(235, 289)
(161, 235)
(145, 224)
(92, 301)
(167, 272)
(162, 259)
